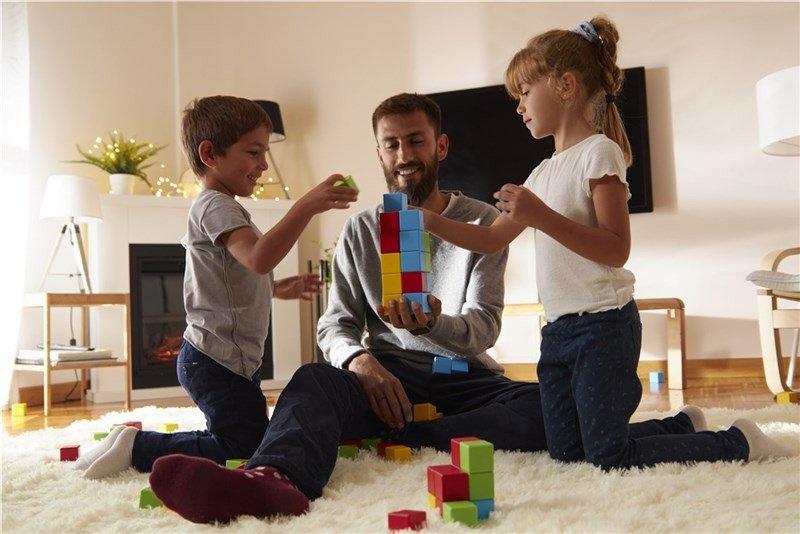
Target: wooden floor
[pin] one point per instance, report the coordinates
(703, 392)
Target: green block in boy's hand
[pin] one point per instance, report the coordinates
(347, 182)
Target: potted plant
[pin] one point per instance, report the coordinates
(123, 159)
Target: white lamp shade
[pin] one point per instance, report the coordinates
(67, 195)
(778, 97)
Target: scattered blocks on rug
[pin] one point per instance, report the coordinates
(69, 453)
(148, 499)
(442, 365)
(348, 451)
(168, 428)
(402, 519)
(656, 377)
(99, 436)
(370, 443)
(787, 397)
(397, 453)
(464, 512)
(424, 412)
(19, 409)
(347, 182)
(235, 463)
(382, 446)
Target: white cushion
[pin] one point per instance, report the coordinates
(776, 280)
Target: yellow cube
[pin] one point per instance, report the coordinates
(19, 410)
(388, 296)
(424, 412)
(787, 397)
(437, 416)
(431, 500)
(390, 263)
(392, 284)
(398, 453)
(168, 427)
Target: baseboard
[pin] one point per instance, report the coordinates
(34, 395)
(702, 368)
(100, 397)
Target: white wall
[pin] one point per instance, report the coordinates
(720, 204)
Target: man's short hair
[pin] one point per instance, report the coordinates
(406, 103)
(223, 120)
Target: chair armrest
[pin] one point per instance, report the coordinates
(774, 258)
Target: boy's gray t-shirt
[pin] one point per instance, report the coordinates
(227, 304)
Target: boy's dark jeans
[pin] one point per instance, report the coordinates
(234, 407)
(590, 389)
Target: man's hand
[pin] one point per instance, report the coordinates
(412, 318)
(301, 287)
(385, 393)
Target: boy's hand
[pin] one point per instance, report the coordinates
(411, 318)
(328, 196)
(385, 393)
(521, 205)
(302, 287)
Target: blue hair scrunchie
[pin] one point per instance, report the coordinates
(587, 31)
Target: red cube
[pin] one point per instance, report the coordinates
(390, 222)
(390, 243)
(134, 424)
(414, 519)
(354, 442)
(449, 483)
(382, 447)
(455, 449)
(415, 282)
(70, 453)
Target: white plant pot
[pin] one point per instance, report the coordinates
(122, 184)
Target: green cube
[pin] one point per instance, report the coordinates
(481, 486)
(370, 443)
(148, 499)
(348, 451)
(347, 182)
(426, 242)
(99, 436)
(235, 463)
(476, 456)
(464, 512)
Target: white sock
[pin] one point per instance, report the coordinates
(117, 458)
(761, 445)
(88, 459)
(695, 414)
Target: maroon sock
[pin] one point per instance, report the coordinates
(203, 492)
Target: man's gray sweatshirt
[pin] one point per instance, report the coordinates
(469, 285)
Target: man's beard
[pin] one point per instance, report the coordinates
(419, 191)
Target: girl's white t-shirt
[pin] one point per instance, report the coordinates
(568, 282)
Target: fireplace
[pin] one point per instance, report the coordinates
(158, 317)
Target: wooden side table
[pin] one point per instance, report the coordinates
(47, 301)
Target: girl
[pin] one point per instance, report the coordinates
(566, 82)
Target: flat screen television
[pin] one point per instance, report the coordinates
(490, 146)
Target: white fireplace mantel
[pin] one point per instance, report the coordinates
(145, 219)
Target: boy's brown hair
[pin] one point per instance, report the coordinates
(405, 103)
(223, 120)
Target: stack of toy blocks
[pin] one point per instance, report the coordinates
(405, 252)
(463, 491)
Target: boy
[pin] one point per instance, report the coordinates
(228, 286)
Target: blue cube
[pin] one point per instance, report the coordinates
(415, 261)
(460, 366)
(485, 508)
(442, 365)
(656, 377)
(419, 298)
(394, 202)
(411, 220)
(411, 240)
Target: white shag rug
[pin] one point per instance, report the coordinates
(533, 493)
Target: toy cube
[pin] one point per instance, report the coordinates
(414, 282)
(395, 202)
(411, 240)
(656, 377)
(413, 519)
(459, 366)
(437, 415)
(347, 182)
(99, 436)
(424, 412)
(148, 499)
(463, 512)
(442, 365)
(787, 397)
(70, 453)
(370, 443)
(168, 427)
(19, 409)
(415, 261)
(481, 486)
(353, 442)
(398, 453)
(387, 297)
(382, 446)
(392, 283)
(448, 483)
(455, 449)
(411, 220)
(348, 451)
(419, 298)
(134, 424)
(390, 263)
(235, 463)
(476, 456)
(389, 243)
(390, 222)
(485, 508)
(432, 500)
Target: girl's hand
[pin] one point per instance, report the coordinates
(521, 205)
(328, 196)
(298, 287)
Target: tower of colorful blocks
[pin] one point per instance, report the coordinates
(463, 490)
(405, 252)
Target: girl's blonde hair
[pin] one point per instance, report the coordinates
(555, 52)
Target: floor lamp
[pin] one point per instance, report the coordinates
(278, 134)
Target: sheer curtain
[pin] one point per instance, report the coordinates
(14, 138)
